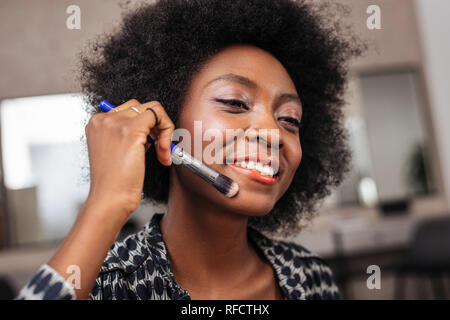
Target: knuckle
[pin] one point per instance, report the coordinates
(133, 101)
(156, 105)
(108, 122)
(146, 130)
(95, 119)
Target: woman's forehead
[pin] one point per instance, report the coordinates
(246, 66)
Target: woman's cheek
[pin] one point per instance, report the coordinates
(298, 156)
(294, 157)
(215, 127)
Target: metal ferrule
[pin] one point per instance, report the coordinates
(185, 159)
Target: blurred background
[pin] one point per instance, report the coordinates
(392, 212)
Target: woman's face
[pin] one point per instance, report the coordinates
(264, 98)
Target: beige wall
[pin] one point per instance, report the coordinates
(396, 44)
(23, 212)
(38, 52)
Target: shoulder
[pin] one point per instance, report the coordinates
(134, 268)
(318, 281)
(304, 273)
(127, 255)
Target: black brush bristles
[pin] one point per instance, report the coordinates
(226, 186)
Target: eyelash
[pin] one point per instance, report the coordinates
(236, 103)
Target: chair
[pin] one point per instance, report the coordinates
(427, 257)
(6, 289)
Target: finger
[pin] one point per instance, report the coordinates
(144, 120)
(131, 112)
(163, 146)
(134, 110)
(163, 131)
(127, 105)
(124, 110)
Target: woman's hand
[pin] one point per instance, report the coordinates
(117, 142)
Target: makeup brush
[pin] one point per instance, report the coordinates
(222, 183)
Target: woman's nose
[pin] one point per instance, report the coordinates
(264, 129)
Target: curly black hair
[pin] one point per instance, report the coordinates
(160, 45)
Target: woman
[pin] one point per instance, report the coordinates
(230, 64)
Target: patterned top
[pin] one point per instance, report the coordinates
(138, 267)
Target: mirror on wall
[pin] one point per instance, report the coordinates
(387, 135)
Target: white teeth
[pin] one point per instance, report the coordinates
(259, 166)
(264, 170)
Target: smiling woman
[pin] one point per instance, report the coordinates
(230, 65)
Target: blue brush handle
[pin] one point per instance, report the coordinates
(106, 106)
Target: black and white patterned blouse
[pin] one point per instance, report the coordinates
(138, 268)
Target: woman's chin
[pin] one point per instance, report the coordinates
(249, 203)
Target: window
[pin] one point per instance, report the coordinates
(44, 165)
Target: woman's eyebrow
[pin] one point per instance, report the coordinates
(285, 97)
(235, 78)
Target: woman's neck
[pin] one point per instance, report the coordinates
(207, 245)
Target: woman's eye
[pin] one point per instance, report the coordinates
(238, 104)
(291, 121)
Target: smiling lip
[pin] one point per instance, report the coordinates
(271, 161)
(255, 175)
